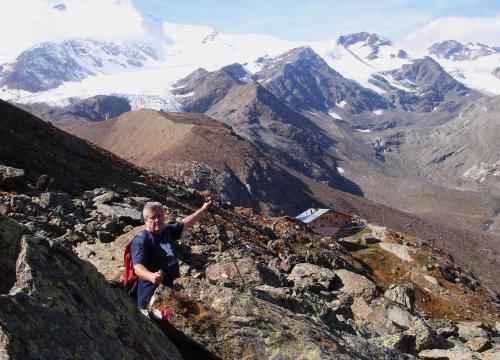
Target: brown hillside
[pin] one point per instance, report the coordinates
(204, 153)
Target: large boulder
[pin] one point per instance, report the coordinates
(401, 251)
(61, 308)
(471, 329)
(382, 316)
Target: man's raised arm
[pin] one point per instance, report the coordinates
(192, 219)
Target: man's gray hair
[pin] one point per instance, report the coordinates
(151, 206)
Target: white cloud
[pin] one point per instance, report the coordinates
(464, 29)
(113, 20)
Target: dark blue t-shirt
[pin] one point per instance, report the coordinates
(156, 252)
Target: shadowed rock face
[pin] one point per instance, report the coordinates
(72, 163)
(10, 235)
(96, 108)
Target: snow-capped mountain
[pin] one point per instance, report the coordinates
(475, 65)
(48, 65)
(361, 56)
(303, 79)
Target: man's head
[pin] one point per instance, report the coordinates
(154, 217)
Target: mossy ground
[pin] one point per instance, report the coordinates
(443, 301)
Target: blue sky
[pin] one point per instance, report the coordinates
(316, 19)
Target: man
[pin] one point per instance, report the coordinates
(153, 252)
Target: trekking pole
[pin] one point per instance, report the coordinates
(228, 248)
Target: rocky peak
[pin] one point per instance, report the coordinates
(428, 86)
(454, 50)
(302, 59)
(201, 89)
(303, 79)
(372, 40)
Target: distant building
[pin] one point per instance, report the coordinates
(326, 222)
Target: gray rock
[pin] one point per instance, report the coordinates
(55, 199)
(305, 275)
(10, 237)
(106, 198)
(448, 331)
(402, 294)
(91, 228)
(11, 177)
(253, 272)
(367, 239)
(425, 337)
(120, 212)
(469, 330)
(382, 316)
(21, 204)
(127, 228)
(400, 316)
(355, 284)
(104, 236)
(450, 354)
(137, 202)
(479, 344)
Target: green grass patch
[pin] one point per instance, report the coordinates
(359, 233)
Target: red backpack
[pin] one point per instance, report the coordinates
(130, 277)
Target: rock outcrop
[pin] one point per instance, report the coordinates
(62, 307)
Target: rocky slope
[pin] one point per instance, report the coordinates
(382, 305)
(458, 229)
(463, 151)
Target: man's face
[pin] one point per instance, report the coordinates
(155, 221)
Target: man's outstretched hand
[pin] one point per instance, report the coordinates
(207, 206)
